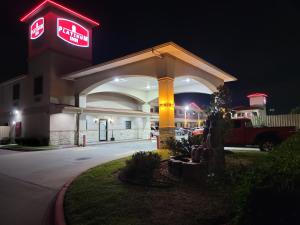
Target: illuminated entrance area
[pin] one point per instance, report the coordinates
(119, 109)
(123, 90)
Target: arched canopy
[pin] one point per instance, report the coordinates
(191, 73)
(145, 89)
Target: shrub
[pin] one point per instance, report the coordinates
(32, 141)
(5, 141)
(184, 146)
(141, 166)
(270, 192)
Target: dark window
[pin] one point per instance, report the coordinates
(128, 125)
(38, 86)
(16, 92)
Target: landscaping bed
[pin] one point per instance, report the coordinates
(99, 197)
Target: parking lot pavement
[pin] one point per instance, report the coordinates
(30, 180)
(7, 152)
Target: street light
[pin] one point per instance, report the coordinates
(186, 108)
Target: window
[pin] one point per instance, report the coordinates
(16, 92)
(128, 125)
(38, 86)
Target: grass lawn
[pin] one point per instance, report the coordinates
(97, 197)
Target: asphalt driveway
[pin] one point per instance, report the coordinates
(29, 181)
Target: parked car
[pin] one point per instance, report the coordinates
(154, 132)
(197, 131)
(180, 131)
(243, 133)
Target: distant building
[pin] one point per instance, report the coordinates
(187, 116)
(256, 108)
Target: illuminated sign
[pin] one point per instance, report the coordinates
(72, 32)
(37, 28)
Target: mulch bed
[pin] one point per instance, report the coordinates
(161, 178)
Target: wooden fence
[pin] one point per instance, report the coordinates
(4, 131)
(277, 120)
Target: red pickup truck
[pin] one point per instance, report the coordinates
(243, 133)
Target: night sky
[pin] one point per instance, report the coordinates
(256, 41)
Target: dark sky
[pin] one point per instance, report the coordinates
(256, 41)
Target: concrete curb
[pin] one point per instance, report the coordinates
(59, 213)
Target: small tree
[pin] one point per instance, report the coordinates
(217, 126)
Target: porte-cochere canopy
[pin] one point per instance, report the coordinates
(167, 59)
(158, 72)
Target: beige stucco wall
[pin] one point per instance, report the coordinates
(63, 128)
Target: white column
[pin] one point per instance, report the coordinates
(82, 101)
(144, 132)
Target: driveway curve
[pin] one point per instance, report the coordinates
(29, 181)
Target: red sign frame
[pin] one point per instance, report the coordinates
(37, 28)
(73, 33)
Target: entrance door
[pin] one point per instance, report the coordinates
(103, 130)
(18, 129)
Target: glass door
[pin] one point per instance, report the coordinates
(102, 130)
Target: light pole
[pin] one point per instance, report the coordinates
(186, 108)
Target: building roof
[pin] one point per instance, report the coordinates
(48, 3)
(170, 48)
(72, 109)
(192, 105)
(257, 95)
(13, 80)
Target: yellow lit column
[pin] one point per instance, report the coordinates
(166, 110)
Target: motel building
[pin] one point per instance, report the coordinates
(64, 98)
(188, 116)
(256, 108)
